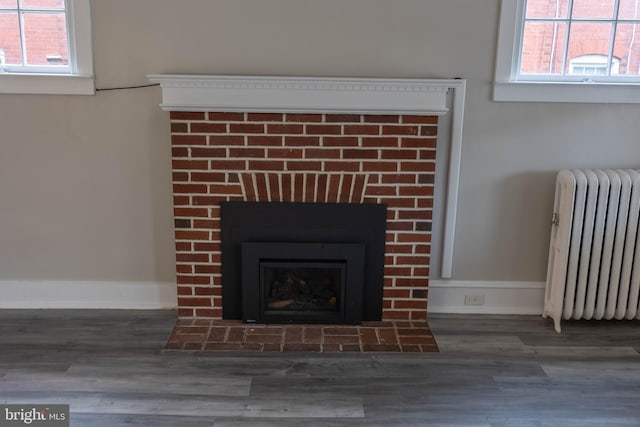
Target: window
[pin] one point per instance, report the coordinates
(45, 47)
(569, 50)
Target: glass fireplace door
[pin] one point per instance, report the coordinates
(305, 287)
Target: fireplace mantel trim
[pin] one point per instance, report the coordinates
(194, 92)
(188, 92)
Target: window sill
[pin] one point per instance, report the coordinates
(608, 93)
(47, 84)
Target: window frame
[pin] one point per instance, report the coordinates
(508, 88)
(80, 81)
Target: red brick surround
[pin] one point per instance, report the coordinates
(220, 156)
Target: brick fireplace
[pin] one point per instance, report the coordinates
(291, 140)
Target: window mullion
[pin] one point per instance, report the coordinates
(635, 17)
(23, 40)
(553, 47)
(612, 38)
(567, 37)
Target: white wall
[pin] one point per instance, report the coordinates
(85, 185)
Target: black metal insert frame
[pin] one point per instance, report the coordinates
(302, 282)
(308, 223)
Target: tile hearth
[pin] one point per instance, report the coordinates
(385, 336)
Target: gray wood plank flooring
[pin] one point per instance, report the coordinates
(492, 371)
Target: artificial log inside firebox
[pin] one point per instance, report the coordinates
(302, 290)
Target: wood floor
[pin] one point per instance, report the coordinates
(490, 371)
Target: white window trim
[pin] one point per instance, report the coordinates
(507, 89)
(81, 79)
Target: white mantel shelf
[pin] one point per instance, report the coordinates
(188, 92)
(195, 92)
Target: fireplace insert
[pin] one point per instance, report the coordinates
(302, 282)
(302, 262)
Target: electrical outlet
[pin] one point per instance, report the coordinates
(474, 300)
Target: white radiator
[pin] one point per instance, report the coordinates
(594, 254)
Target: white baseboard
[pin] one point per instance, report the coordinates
(448, 296)
(445, 296)
(97, 295)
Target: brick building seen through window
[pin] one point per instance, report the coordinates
(581, 37)
(44, 33)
